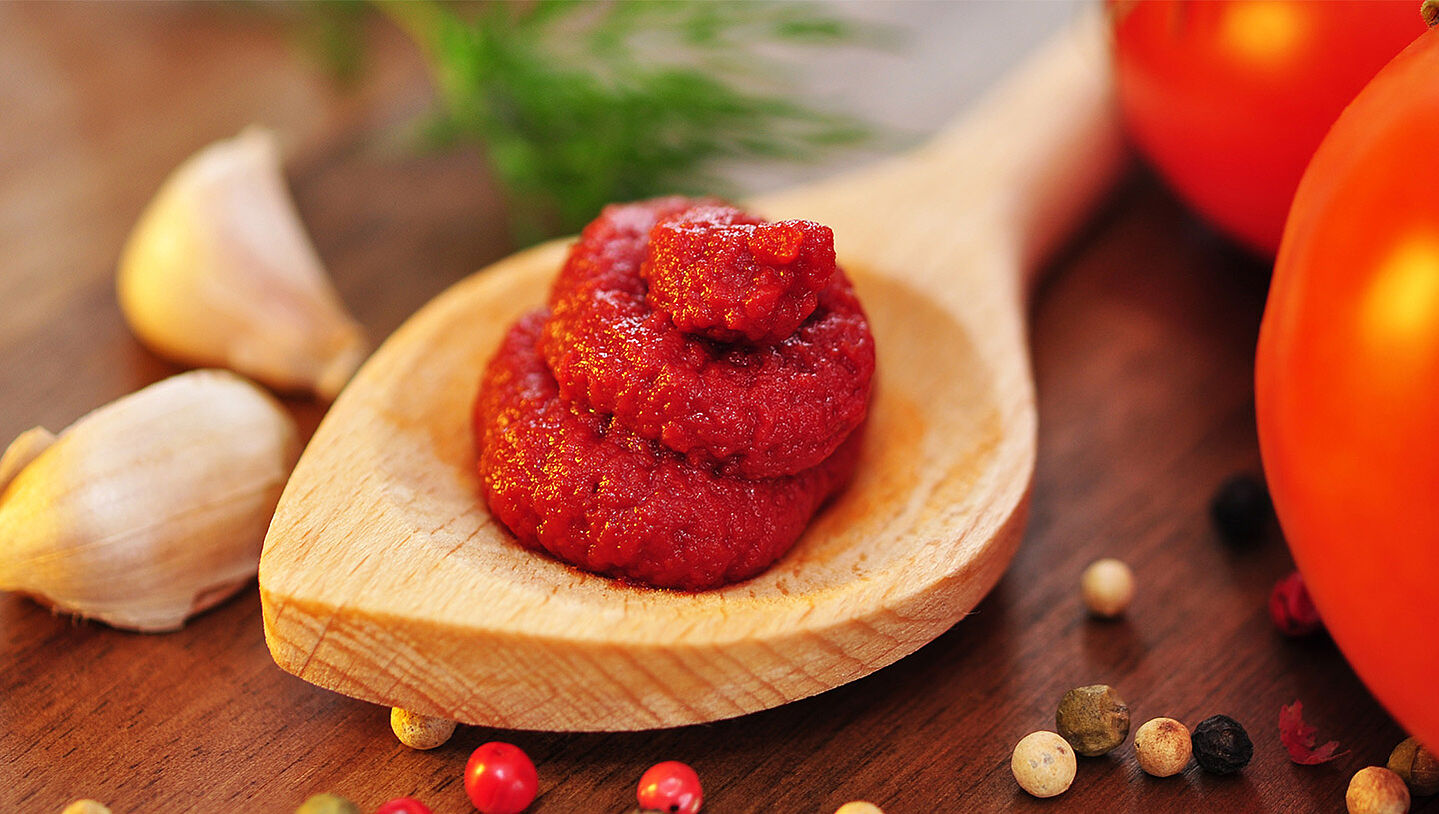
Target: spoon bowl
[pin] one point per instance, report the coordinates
(385, 577)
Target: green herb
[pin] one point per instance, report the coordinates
(579, 104)
(331, 32)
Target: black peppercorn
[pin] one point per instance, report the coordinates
(1241, 509)
(1221, 746)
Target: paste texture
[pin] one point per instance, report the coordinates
(691, 395)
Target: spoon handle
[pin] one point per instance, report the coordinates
(996, 190)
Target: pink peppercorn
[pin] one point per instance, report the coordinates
(1291, 608)
(671, 787)
(501, 779)
(404, 805)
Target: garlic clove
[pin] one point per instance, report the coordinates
(24, 449)
(219, 271)
(151, 508)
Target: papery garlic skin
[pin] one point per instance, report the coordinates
(153, 507)
(219, 272)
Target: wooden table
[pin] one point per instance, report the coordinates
(1143, 343)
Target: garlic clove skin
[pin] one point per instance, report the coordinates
(153, 507)
(219, 272)
(25, 448)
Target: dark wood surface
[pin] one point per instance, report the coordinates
(1143, 342)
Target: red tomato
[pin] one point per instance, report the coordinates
(1229, 99)
(404, 805)
(1347, 385)
(501, 779)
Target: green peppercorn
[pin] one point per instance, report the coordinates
(1093, 719)
(327, 804)
(1221, 746)
(1418, 767)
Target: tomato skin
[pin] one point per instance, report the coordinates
(1347, 385)
(1229, 99)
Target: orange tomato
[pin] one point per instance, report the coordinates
(1229, 99)
(1347, 385)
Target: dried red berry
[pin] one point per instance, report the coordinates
(501, 779)
(671, 787)
(404, 805)
(1298, 737)
(1291, 608)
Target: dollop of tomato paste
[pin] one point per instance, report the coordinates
(691, 395)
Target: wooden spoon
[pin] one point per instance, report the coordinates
(384, 576)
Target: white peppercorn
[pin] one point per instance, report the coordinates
(420, 731)
(1043, 764)
(1107, 586)
(1162, 747)
(1376, 790)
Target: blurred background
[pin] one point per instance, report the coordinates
(103, 100)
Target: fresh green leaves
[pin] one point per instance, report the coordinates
(578, 104)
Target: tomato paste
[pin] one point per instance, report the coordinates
(690, 396)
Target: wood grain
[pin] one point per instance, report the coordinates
(1142, 342)
(384, 579)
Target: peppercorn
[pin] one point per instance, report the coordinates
(1162, 747)
(859, 807)
(404, 805)
(86, 807)
(1221, 746)
(1043, 764)
(1376, 790)
(1107, 585)
(1291, 609)
(327, 804)
(670, 786)
(420, 731)
(1241, 509)
(1416, 766)
(1093, 719)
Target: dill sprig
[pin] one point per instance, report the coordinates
(577, 104)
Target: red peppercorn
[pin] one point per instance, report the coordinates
(1291, 608)
(671, 787)
(501, 779)
(404, 805)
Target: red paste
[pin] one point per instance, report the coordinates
(686, 402)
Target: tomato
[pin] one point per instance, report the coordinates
(1347, 385)
(1229, 99)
